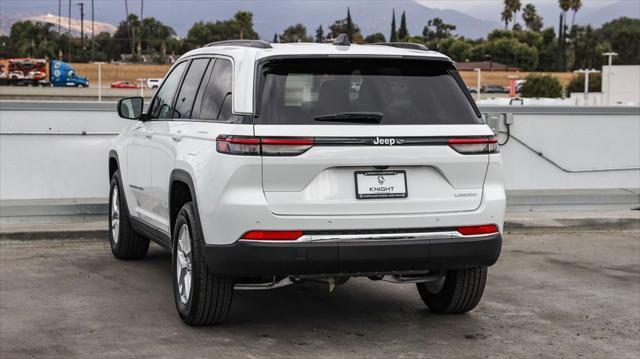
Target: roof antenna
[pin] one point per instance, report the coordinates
(342, 40)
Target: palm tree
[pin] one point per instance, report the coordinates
(511, 8)
(507, 15)
(575, 5)
(532, 20)
(515, 7)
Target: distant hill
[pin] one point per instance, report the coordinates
(269, 16)
(273, 16)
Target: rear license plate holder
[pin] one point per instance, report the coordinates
(381, 184)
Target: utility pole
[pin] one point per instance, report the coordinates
(81, 4)
(141, 21)
(59, 16)
(93, 32)
(69, 33)
(610, 55)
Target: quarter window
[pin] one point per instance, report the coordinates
(161, 107)
(214, 98)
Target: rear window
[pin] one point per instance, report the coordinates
(404, 92)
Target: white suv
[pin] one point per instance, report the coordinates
(261, 165)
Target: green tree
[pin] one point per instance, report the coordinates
(153, 35)
(394, 35)
(403, 32)
(202, 33)
(542, 86)
(295, 33)
(37, 39)
(459, 50)
(319, 34)
(244, 19)
(375, 37)
(437, 29)
(621, 35)
(349, 28)
(532, 20)
(577, 83)
(548, 50)
(340, 27)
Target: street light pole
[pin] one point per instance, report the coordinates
(586, 73)
(610, 55)
(479, 71)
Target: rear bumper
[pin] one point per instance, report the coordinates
(344, 257)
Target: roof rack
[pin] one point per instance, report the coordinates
(404, 45)
(261, 44)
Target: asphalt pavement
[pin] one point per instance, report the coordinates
(551, 295)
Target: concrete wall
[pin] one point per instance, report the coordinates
(58, 150)
(621, 84)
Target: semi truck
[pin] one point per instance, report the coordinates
(39, 72)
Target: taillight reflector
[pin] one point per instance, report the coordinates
(476, 230)
(273, 235)
(474, 145)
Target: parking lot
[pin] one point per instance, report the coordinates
(573, 294)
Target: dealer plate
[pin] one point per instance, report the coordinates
(381, 184)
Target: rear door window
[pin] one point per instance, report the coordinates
(214, 98)
(404, 92)
(189, 89)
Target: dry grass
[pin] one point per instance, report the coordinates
(502, 77)
(127, 72)
(132, 72)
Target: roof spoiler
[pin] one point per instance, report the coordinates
(260, 44)
(404, 45)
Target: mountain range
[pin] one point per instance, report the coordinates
(274, 15)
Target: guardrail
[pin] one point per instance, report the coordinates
(58, 150)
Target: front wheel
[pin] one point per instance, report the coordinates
(459, 291)
(125, 242)
(202, 297)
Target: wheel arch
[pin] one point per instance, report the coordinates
(181, 191)
(114, 163)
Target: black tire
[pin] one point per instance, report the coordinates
(209, 296)
(460, 293)
(128, 244)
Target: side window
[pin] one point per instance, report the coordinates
(161, 105)
(215, 101)
(189, 89)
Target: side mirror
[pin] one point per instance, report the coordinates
(130, 108)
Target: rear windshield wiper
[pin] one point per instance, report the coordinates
(360, 117)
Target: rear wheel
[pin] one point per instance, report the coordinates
(125, 242)
(459, 291)
(202, 297)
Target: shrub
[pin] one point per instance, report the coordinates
(542, 86)
(577, 83)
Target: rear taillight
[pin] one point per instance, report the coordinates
(474, 145)
(478, 230)
(267, 146)
(272, 235)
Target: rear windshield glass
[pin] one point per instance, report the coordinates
(397, 92)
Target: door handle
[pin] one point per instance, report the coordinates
(176, 138)
(148, 134)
